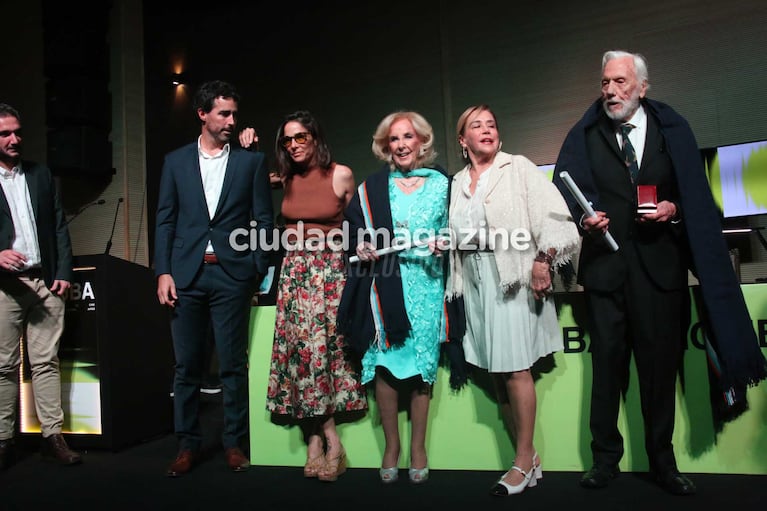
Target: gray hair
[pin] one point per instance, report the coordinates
(640, 64)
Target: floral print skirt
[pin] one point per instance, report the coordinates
(312, 372)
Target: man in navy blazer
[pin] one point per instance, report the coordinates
(211, 193)
(35, 273)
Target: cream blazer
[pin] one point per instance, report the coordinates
(518, 196)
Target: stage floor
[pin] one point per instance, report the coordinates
(134, 479)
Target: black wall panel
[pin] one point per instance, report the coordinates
(78, 101)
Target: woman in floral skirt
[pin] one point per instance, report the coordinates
(312, 378)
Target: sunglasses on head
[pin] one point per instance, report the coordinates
(300, 139)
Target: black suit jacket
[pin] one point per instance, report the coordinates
(184, 227)
(52, 233)
(659, 247)
(739, 362)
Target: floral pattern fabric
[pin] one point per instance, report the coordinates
(312, 373)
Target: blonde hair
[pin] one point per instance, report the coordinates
(460, 127)
(423, 129)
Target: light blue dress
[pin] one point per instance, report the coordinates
(418, 215)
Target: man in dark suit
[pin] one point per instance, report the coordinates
(635, 296)
(35, 273)
(211, 194)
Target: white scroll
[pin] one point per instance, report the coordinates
(585, 205)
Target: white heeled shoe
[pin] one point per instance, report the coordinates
(504, 489)
(389, 475)
(530, 479)
(537, 467)
(418, 475)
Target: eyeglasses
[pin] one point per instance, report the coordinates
(300, 139)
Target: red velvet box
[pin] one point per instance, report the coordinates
(647, 199)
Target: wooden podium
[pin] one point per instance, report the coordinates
(116, 358)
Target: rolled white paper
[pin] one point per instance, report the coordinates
(398, 247)
(585, 205)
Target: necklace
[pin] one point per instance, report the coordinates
(410, 184)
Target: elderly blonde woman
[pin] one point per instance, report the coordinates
(512, 228)
(392, 310)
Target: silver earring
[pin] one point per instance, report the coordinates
(500, 144)
(465, 153)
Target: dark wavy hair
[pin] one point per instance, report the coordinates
(7, 110)
(322, 155)
(208, 92)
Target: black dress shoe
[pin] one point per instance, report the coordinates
(676, 483)
(599, 476)
(6, 453)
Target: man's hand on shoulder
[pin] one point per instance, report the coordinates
(249, 139)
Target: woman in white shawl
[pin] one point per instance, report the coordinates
(511, 230)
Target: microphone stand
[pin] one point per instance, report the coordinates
(114, 223)
(81, 210)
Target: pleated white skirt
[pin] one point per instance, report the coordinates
(505, 332)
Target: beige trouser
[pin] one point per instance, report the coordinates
(28, 309)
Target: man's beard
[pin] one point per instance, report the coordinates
(628, 107)
(11, 160)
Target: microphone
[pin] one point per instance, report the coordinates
(114, 223)
(82, 209)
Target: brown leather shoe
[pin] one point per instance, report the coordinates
(237, 460)
(185, 460)
(55, 448)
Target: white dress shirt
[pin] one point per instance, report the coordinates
(474, 219)
(212, 171)
(14, 184)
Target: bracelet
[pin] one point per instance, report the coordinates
(544, 257)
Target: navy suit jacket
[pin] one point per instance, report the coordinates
(184, 227)
(52, 233)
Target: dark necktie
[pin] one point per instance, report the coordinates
(629, 154)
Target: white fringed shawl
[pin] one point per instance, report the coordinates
(519, 195)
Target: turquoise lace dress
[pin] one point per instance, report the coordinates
(417, 215)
